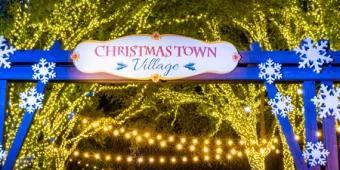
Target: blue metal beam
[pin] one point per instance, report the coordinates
(3, 104)
(311, 125)
(70, 73)
(288, 132)
(329, 137)
(21, 134)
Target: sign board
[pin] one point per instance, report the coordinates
(165, 57)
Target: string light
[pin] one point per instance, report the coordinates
(247, 109)
(318, 134)
(173, 160)
(119, 158)
(107, 157)
(218, 142)
(205, 149)
(184, 159)
(162, 159)
(299, 91)
(219, 150)
(297, 138)
(129, 159)
(151, 141)
(192, 148)
(163, 144)
(171, 139)
(194, 141)
(151, 160)
(179, 146)
(195, 159)
(97, 156)
(140, 160)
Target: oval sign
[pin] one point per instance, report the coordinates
(155, 57)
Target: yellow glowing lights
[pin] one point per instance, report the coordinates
(115, 132)
(127, 136)
(183, 140)
(233, 151)
(97, 156)
(206, 158)
(163, 144)
(247, 151)
(86, 155)
(275, 140)
(119, 158)
(129, 159)
(219, 150)
(171, 139)
(151, 141)
(138, 138)
(195, 141)
(218, 142)
(140, 160)
(195, 159)
(107, 157)
(262, 151)
(159, 137)
(122, 130)
(192, 148)
(318, 134)
(277, 151)
(161, 160)
(218, 157)
(184, 159)
(239, 154)
(206, 142)
(85, 121)
(151, 160)
(179, 146)
(299, 91)
(96, 124)
(297, 137)
(76, 153)
(205, 149)
(173, 160)
(230, 142)
(147, 134)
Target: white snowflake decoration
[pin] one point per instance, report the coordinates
(5, 51)
(270, 71)
(313, 56)
(315, 154)
(281, 105)
(31, 100)
(44, 71)
(3, 154)
(328, 102)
